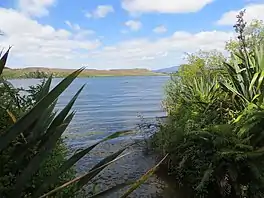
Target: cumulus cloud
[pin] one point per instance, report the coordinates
(160, 29)
(153, 54)
(36, 8)
(44, 45)
(167, 6)
(134, 25)
(253, 11)
(100, 12)
(37, 44)
(146, 53)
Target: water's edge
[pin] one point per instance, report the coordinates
(107, 105)
(129, 168)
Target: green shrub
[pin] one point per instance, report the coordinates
(214, 132)
(15, 102)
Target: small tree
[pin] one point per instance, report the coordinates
(201, 62)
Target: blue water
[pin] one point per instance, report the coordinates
(109, 104)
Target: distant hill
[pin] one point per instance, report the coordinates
(167, 70)
(33, 71)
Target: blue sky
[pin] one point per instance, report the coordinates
(110, 34)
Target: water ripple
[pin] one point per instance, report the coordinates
(109, 104)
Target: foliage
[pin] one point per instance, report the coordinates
(245, 76)
(32, 152)
(245, 82)
(214, 131)
(14, 103)
(36, 74)
(253, 36)
(200, 63)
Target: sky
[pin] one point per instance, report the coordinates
(117, 34)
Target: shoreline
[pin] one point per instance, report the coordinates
(32, 73)
(130, 167)
(20, 78)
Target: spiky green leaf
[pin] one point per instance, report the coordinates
(23, 123)
(71, 161)
(91, 174)
(45, 89)
(109, 191)
(143, 178)
(3, 60)
(255, 77)
(61, 116)
(98, 167)
(35, 163)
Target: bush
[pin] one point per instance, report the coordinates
(16, 103)
(214, 131)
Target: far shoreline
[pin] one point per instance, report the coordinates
(38, 73)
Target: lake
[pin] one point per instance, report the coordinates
(109, 104)
(106, 105)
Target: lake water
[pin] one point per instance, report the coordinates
(106, 105)
(109, 104)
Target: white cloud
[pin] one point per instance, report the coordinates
(101, 11)
(160, 29)
(134, 25)
(36, 8)
(44, 45)
(164, 6)
(153, 54)
(75, 27)
(253, 11)
(37, 44)
(79, 32)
